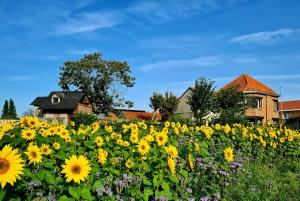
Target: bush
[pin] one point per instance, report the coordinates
(84, 118)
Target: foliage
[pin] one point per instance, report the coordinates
(268, 180)
(5, 110)
(84, 119)
(231, 106)
(156, 101)
(99, 79)
(9, 110)
(201, 100)
(170, 161)
(166, 103)
(12, 110)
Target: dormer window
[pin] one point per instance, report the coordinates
(55, 99)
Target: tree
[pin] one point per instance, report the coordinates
(166, 104)
(231, 104)
(169, 106)
(201, 99)
(156, 100)
(5, 110)
(12, 113)
(99, 79)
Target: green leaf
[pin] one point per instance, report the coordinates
(185, 173)
(74, 192)
(165, 186)
(49, 178)
(155, 181)
(147, 182)
(2, 194)
(41, 174)
(85, 193)
(65, 198)
(174, 179)
(97, 184)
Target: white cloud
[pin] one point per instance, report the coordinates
(157, 11)
(83, 51)
(87, 22)
(201, 61)
(265, 38)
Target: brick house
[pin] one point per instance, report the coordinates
(289, 109)
(262, 101)
(60, 106)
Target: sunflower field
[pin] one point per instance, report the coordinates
(132, 160)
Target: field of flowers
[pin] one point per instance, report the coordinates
(133, 160)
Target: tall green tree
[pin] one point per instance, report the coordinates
(201, 99)
(231, 106)
(166, 103)
(156, 101)
(101, 80)
(12, 113)
(5, 110)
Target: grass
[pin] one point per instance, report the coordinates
(279, 180)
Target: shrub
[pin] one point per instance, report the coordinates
(84, 119)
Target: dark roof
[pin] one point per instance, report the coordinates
(68, 100)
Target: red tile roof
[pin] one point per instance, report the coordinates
(246, 83)
(290, 105)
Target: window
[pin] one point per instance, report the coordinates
(55, 100)
(254, 102)
(275, 105)
(285, 115)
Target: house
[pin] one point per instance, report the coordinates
(60, 106)
(261, 101)
(289, 109)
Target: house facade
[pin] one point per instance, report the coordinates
(60, 106)
(289, 109)
(261, 101)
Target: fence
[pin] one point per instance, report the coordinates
(6, 121)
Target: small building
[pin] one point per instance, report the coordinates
(132, 114)
(289, 109)
(60, 106)
(261, 101)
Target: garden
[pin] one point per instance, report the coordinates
(144, 160)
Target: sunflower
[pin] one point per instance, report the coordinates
(191, 163)
(32, 121)
(11, 165)
(76, 168)
(99, 141)
(134, 138)
(161, 138)
(102, 156)
(28, 134)
(56, 145)
(129, 163)
(172, 151)
(172, 165)
(34, 154)
(228, 153)
(143, 147)
(45, 149)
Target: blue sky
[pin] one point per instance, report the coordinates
(168, 44)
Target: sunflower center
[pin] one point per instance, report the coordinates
(4, 165)
(28, 134)
(161, 138)
(143, 147)
(45, 150)
(76, 169)
(33, 154)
